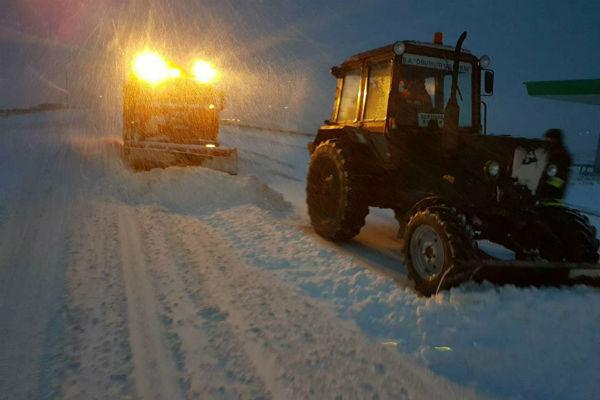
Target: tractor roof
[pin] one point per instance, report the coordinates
(390, 49)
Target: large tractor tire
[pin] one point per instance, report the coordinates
(574, 237)
(436, 240)
(336, 204)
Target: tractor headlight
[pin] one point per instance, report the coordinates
(551, 170)
(399, 48)
(204, 72)
(152, 68)
(484, 61)
(492, 168)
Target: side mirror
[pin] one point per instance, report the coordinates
(488, 82)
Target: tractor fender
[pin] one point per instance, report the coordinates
(371, 146)
(429, 201)
(423, 204)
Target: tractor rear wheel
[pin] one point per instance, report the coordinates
(436, 240)
(334, 193)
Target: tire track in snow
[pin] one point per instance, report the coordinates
(97, 348)
(154, 371)
(210, 358)
(298, 345)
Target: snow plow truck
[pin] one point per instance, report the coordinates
(406, 133)
(171, 117)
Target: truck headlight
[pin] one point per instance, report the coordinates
(492, 168)
(551, 170)
(204, 72)
(152, 68)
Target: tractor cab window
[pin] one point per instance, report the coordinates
(378, 90)
(424, 89)
(349, 96)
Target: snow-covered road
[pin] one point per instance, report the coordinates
(189, 283)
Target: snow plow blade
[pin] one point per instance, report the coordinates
(144, 155)
(533, 273)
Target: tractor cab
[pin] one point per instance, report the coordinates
(407, 86)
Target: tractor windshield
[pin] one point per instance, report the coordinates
(424, 90)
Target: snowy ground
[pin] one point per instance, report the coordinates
(189, 283)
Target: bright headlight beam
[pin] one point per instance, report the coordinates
(204, 72)
(152, 68)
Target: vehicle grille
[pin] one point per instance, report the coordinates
(529, 165)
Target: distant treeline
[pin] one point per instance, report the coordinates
(39, 108)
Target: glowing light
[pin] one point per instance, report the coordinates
(151, 67)
(210, 145)
(204, 72)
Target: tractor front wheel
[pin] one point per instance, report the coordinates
(436, 240)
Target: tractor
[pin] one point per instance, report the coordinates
(406, 134)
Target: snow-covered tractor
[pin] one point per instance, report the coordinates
(171, 117)
(406, 134)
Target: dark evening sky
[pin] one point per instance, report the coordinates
(284, 49)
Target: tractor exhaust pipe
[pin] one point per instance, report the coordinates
(451, 113)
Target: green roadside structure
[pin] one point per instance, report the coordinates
(584, 91)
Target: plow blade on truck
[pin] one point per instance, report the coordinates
(147, 154)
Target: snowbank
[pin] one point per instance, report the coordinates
(191, 190)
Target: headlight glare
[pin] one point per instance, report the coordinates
(151, 67)
(204, 72)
